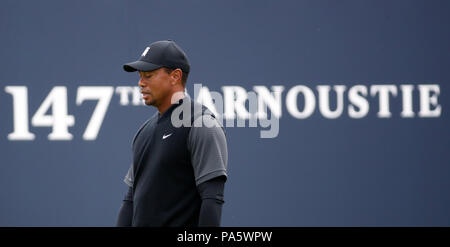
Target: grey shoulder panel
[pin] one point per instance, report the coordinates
(208, 147)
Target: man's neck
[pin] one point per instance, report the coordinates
(176, 96)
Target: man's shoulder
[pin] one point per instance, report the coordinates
(149, 121)
(195, 109)
(204, 121)
(201, 110)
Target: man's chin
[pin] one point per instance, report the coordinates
(150, 102)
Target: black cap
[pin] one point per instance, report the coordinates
(159, 54)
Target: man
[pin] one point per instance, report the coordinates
(178, 173)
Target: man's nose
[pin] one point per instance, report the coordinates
(141, 83)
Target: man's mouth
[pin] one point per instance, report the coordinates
(145, 94)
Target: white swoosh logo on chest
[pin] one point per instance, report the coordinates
(165, 136)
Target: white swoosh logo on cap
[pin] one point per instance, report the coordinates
(145, 52)
(165, 136)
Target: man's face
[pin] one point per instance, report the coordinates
(155, 86)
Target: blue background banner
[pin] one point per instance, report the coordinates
(374, 170)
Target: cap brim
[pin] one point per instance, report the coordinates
(140, 66)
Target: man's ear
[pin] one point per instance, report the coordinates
(176, 76)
